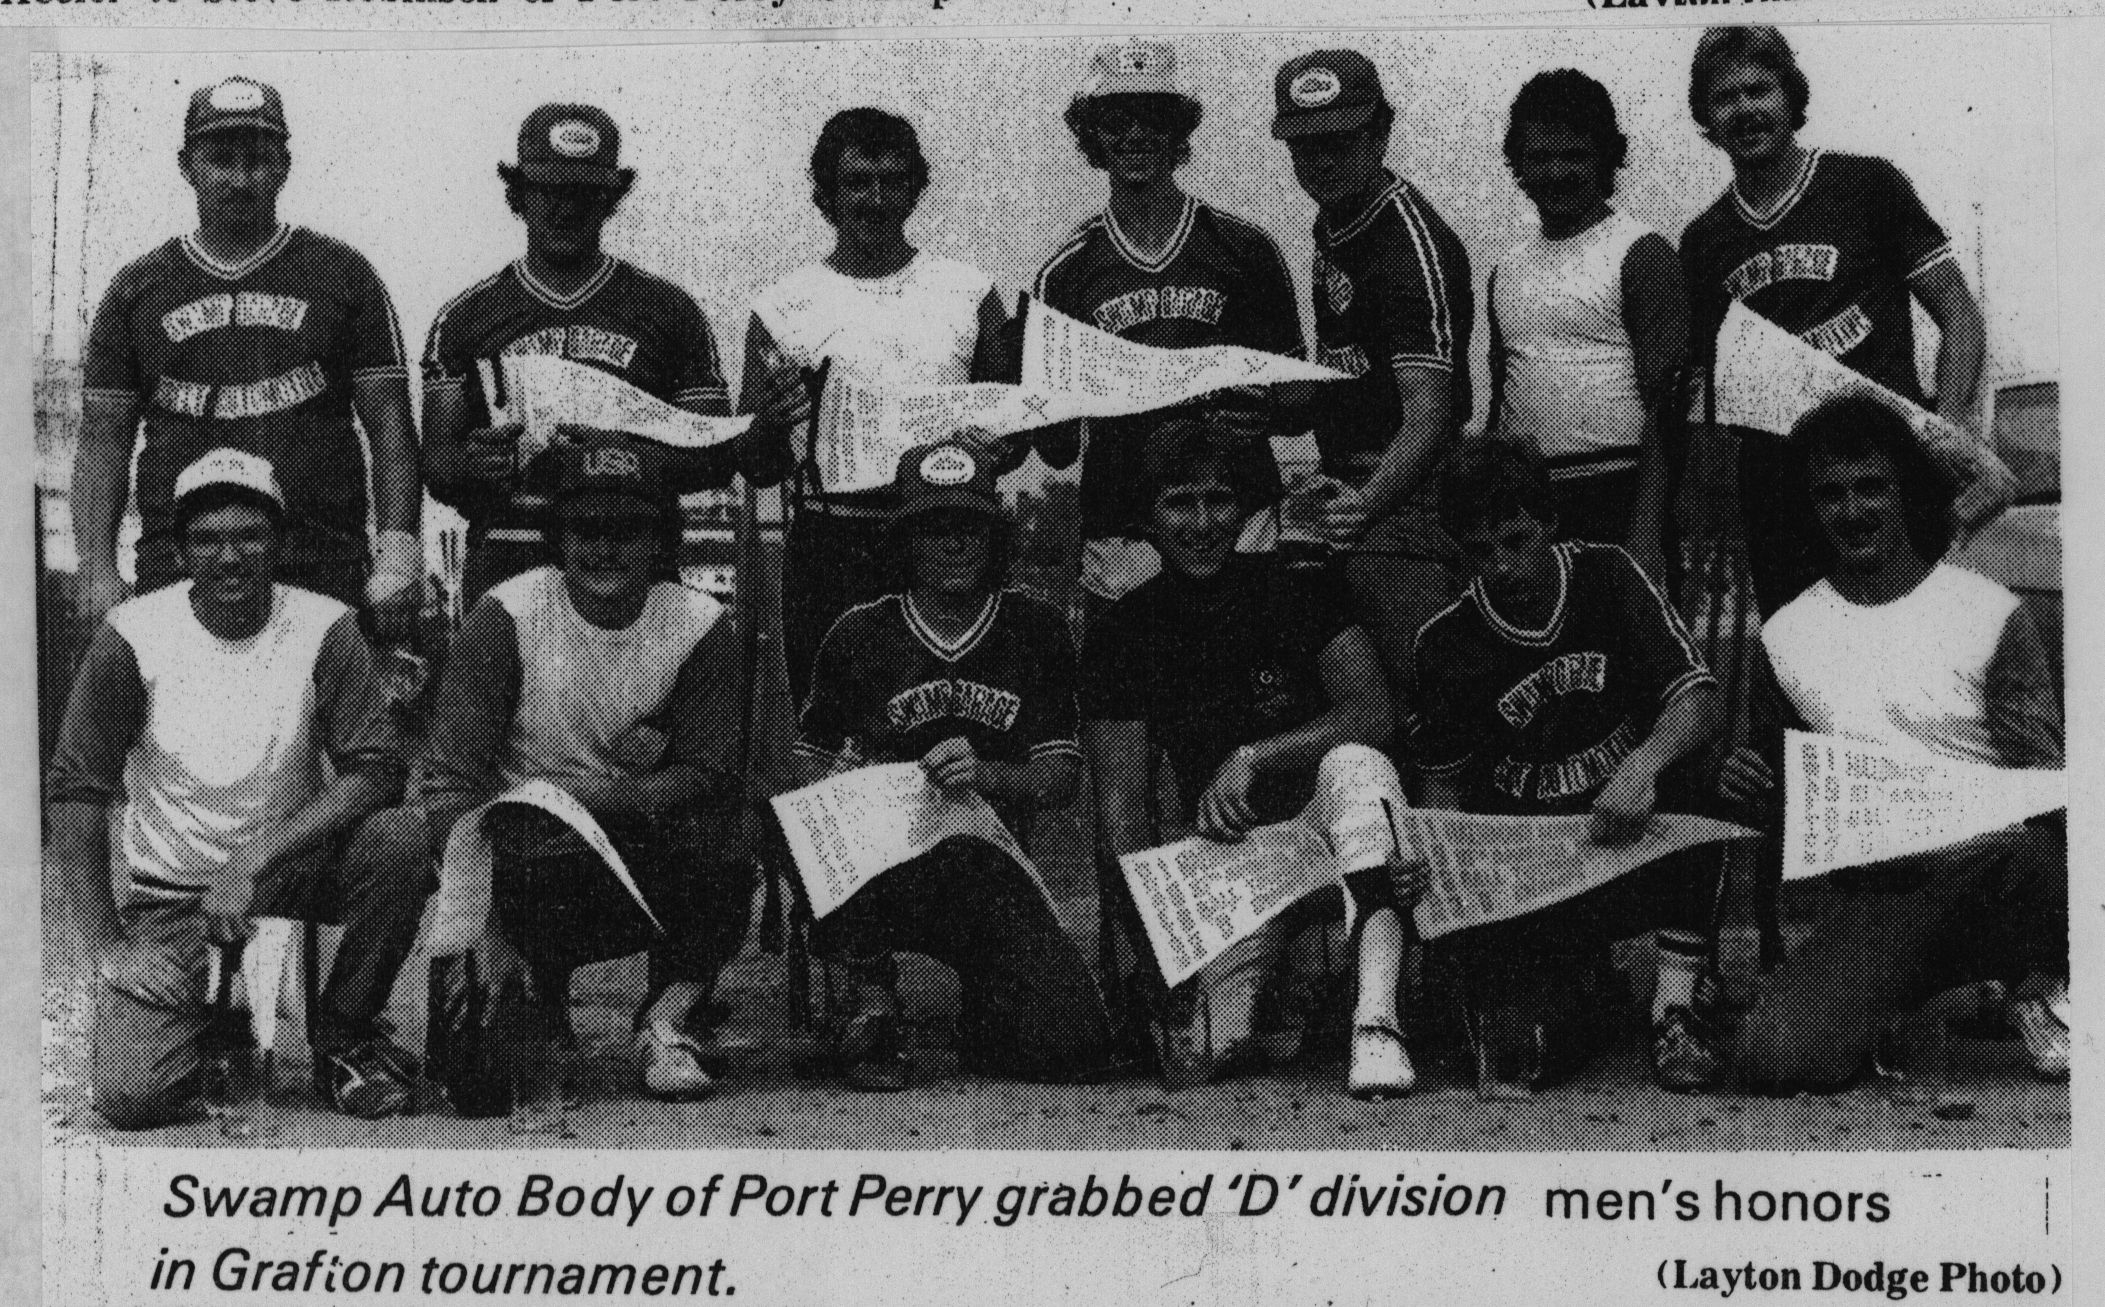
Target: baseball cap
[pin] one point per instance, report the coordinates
(616, 466)
(1325, 91)
(230, 469)
(569, 145)
(235, 102)
(946, 474)
(1134, 68)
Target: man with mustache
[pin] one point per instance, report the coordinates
(568, 298)
(1895, 645)
(877, 311)
(1162, 268)
(1588, 322)
(1834, 247)
(251, 334)
(204, 712)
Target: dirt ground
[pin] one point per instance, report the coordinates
(1986, 1100)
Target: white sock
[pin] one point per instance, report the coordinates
(1680, 963)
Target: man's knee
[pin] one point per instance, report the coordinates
(143, 1064)
(1782, 1048)
(391, 851)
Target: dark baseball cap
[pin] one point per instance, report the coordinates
(1325, 91)
(615, 466)
(946, 474)
(237, 102)
(569, 145)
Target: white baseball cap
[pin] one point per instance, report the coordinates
(1135, 68)
(233, 468)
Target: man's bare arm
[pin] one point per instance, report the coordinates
(1962, 338)
(102, 486)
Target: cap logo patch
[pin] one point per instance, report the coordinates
(1134, 61)
(613, 461)
(237, 97)
(1315, 88)
(573, 138)
(948, 466)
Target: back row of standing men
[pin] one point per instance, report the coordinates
(258, 338)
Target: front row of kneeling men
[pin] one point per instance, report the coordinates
(240, 728)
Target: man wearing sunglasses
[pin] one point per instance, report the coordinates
(619, 688)
(1393, 308)
(1159, 267)
(568, 298)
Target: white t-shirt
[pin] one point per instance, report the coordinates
(1571, 375)
(1914, 671)
(581, 686)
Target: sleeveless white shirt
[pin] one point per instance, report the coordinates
(1571, 376)
(227, 747)
(581, 687)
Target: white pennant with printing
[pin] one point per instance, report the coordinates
(542, 392)
(1848, 803)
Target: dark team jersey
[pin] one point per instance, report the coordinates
(624, 321)
(887, 688)
(1535, 722)
(1219, 281)
(1391, 289)
(1212, 665)
(258, 356)
(1830, 261)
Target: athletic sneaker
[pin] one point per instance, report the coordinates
(1685, 1053)
(369, 1080)
(675, 1067)
(2044, 1032)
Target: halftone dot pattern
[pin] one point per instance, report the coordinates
(722, 209)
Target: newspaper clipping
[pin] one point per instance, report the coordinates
(837, 651)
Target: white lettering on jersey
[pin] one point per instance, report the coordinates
(1565, 674)
(933, 700)
(198, 316)
(1151, 303)
(1841, 333)
(248, 309)
(1577, 774)
(1783, 263)
(251, 400)
(579, 343)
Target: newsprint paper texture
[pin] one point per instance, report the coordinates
(1938, 1164)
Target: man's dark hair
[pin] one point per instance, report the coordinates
(870, 132)
(1565, 97)
(1486, 481)
(1858, 426)
(1762, 46)
(1186, 446)
(1180, 113)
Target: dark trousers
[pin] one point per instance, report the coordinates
(1538, 962)
(1401, 574)
(1991, 908)
(1028, 1008)
(1786, 551)
(832, 564)
(146, 1060)
(562, 908)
